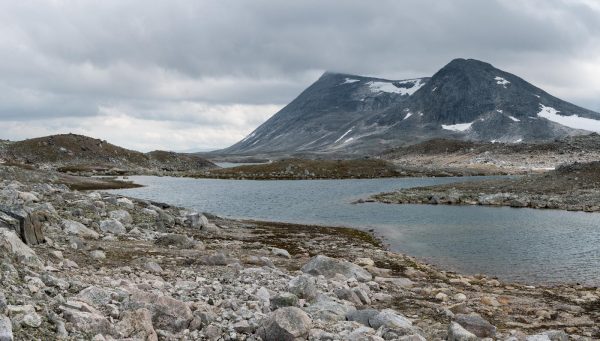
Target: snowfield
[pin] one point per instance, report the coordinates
(457, 127)
(389, 87)
(573, 121)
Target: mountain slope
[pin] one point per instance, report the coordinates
(467, 99)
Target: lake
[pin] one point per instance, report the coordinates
(523, 245)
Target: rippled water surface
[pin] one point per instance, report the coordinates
(533, 246)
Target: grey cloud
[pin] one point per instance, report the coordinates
(149, 58)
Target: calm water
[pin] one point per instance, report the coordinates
(526, 245)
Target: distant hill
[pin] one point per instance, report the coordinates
(77, 153)
(466, 100)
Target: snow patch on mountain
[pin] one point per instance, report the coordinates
(514, 118)
(573, 121)
(350, 81)
(407, 116)
(457, 127)
(390, 87)
(501, 81)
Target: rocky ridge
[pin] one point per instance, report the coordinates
(167, 273)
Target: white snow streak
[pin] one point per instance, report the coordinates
(514, 118)
(346, 133)
(457, 127)
(407, 116)
(573, 121)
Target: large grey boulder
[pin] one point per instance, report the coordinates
(476, 325)
(6, 333)
(112, 226)
(329, 267)
(85, 317)
(362, 316)
(392, 320)
(12, 245)
(78, 229)
(285, 324)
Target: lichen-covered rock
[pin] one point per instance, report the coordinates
(476, 325)
(121, 215)
(78, 229)
(112, 226)
(13, 246)
(137, 325)
(6, 333)
(457, 333)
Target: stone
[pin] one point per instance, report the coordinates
(550, 335)
(218, 258)
(167, 313)
(13, 246)
(243, 327)
(400, 282)
(280, 252)
(285, 324)
(124, 202)
(28, 197)
(91, 321)
(95, 296)
(460, 297)
(285, 299)
(78, 229)
(362, 295)
(390, 319)
(329, 310)
(329, 267)
(98, 254)
(137, 325)
(363, 334)
(32, 320)
(348, 295)
(153, 267)
(6, 333)
(476, 325)
(303, 286)
(364, 262)
(362, 316)
(176, 240)
(457, 333)
(112, 226)
(121, 215)
(3, 303)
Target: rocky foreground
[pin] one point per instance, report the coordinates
(114, 268)
(574, 187)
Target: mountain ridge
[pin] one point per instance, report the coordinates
(467, 99)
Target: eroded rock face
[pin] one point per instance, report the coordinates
(330, 267)
(286, 324)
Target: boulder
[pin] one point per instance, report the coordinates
(84, 317)
(13, 246)
(303, 286)
(285, 324)
(124, 202)
(167, 313)
(98, 254)
(6, 333)
(362, 316)
(121, 215)
(329, 310)
(476, 325)
(176, 240)
(280, 253)
(78, 229)
(285, 299)
(392, 320)
(137, 325)
(329, 267)
(457, 333)
(112, 226)
(550, 335)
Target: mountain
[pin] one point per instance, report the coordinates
(78, 153)
(466, 99)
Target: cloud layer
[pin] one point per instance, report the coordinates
(202, 74)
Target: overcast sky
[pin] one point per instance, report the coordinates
(200, 75)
